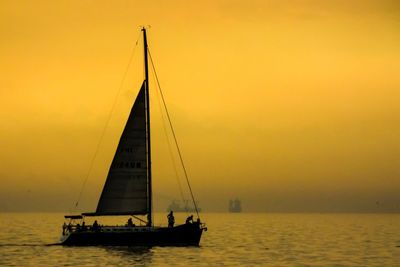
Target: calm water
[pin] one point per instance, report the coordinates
(232, 240)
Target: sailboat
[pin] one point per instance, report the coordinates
(128, 191)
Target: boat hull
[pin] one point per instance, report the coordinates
(182, 235)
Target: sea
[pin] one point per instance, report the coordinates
(242, 239)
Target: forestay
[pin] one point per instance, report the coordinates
(126, 187)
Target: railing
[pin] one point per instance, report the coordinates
(100, 228)
(79, 228)
(72, 228)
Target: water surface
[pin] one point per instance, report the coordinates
(231, 240)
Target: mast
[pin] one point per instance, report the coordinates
(147, 96)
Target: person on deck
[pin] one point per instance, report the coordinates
(130, 223)
(64, 227)
(189, 219)
(171, 219)
(95, 226)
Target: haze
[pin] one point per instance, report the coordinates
(291, 106)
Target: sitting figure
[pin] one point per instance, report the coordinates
(171, 219)
(130, 223)
(95, 226)
(189, 219)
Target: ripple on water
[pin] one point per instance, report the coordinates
(232, 240)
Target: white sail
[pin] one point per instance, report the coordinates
(126, 187)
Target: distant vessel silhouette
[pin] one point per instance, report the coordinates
(128, 190)
(235, 205)
(175, 206)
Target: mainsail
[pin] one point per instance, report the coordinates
(126, 187)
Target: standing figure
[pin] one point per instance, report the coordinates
(171, 219)
(64, 228)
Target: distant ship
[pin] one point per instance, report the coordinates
(235, 205)
(175, 206)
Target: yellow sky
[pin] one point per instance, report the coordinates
(288, 105)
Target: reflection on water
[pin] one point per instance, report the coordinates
(131, 255)
(232, 240)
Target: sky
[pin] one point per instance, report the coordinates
(291, 106)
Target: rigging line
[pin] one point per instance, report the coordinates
(173, 134)
(107, 122)
(169, 146)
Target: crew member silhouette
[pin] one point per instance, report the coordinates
(171, 219)
(189, 219)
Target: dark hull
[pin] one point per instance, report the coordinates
(182, 235)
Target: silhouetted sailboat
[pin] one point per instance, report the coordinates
(128, 190)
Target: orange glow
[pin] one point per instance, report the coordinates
(289, 105)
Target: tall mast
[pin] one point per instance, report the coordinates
(147, 95)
